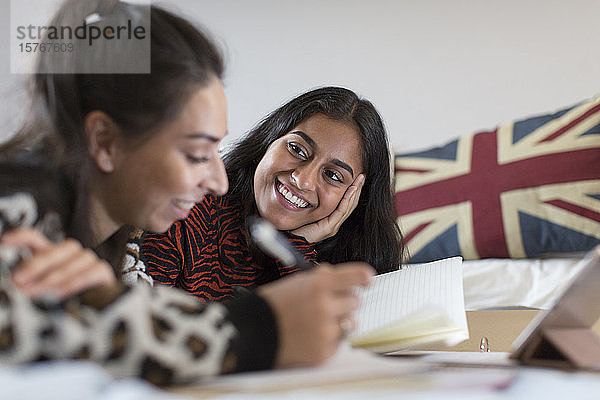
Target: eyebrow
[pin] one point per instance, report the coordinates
(342, 164)
(312, 144)
(201, 135)
(307, 138)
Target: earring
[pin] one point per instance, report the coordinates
(106, 165)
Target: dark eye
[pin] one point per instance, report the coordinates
(196, 160)
(334, 176)
(297, 150)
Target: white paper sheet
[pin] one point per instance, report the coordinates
(396, 295)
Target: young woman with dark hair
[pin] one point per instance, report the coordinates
(370, 232)
(318, 169)
(105, 151)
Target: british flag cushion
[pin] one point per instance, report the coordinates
(527, 189)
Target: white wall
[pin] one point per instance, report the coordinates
(435, 69)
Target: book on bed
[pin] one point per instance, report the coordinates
(417, 306)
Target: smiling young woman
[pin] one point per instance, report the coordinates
(101, 152)
(318, 169)
(304, 174)
(174, 165)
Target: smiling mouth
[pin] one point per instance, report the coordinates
(185, 204)
(290, 197)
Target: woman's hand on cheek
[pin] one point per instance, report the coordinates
(57, 269)
(329, 226)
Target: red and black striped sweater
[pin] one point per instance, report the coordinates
(207, 254)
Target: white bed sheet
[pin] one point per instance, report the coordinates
(513, 283)
(72, 380)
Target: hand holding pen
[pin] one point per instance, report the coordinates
(275, 244)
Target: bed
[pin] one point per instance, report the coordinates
(520, 203)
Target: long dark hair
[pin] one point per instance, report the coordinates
(370, 233)
(182, 60)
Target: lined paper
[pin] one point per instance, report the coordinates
(396, 295)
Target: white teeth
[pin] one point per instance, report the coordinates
(186, 205)
(291, 198)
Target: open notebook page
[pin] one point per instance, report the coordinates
(395, 295)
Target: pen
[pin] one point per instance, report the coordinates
(274, 243)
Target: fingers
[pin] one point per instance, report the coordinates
(352, 195)
(348, 275)
(356, 187)
(309, 308)
(330, 225)
(358, 184)
(45, 261)
(92, 276)
(82, 271)
(340, 282)
(60, 269)
(26, 237)
(347, 204)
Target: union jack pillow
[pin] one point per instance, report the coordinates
(529, 188)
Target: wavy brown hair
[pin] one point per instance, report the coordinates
(370, 233)
(182, 59)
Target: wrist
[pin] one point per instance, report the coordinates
(257, 341)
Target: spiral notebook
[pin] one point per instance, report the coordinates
(417, 306)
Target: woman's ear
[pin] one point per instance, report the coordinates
(102, 134)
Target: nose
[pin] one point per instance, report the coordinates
(305, 176)
(216, 182)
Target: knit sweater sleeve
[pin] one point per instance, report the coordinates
(304, 247)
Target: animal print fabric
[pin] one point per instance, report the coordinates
(133, 270)
(160, 334)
